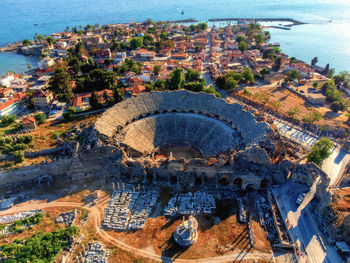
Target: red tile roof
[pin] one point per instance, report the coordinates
(28, 120)
(136, 90)
(7, 104)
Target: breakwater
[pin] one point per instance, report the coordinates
(293, 21)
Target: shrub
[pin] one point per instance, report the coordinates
(19, 156)
(68, 116)
(40, 118)
(8, 119)
(19, 146)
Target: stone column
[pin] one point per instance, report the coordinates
(84, 250)
(217, 179)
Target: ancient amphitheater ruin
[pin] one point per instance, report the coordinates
(229, 146)
(157, 118)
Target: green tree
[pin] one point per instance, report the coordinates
(96, 80)
(194, 86)
(320, 151)
(337, 106)
(156, 69)
(18, 156)
(118, 94)
(230, 83)
(247, 75)
(60, 82)
(136, 42)
(192, 75)
(242, 46)
(26, 42)
(68, 116)
(164, 36)
(148, 40)
(259, 39)
(240, 39)
(94, 101)
(235, 75)
(293, 75)
(79, 48)
(50, 40)
(177, 79)
(8, 119)
(40, 118)
(264, 71)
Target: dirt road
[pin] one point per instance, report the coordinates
(95, 214)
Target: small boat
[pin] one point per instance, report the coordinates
(182, 12)
(35, 24)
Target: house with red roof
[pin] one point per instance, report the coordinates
(136, 90)
(82, 100)
(144, 54)
(9, 107)
(133, 81)
(29, 123)
(6, 92)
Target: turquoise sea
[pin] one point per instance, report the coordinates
(327, 40)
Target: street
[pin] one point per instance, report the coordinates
(335, 165)
(301, 223)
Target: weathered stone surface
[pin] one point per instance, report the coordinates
(181, 101)
(254, 154)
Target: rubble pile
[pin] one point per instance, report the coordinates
(266, 219)
(67, 218)
(95, 253)
(129, 208)
(19, 216)
(242, 211)
(190, 204)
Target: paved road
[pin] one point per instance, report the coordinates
(302, 225)
(334, 166)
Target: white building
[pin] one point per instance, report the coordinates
(46, 63)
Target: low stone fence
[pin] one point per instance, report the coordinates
(43, 152)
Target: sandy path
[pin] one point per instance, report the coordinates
(95, 213)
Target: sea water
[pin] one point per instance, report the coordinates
(326, 36)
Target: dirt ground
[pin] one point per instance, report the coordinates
(46, 225)
(343, 202)
(44, 137)
(261, 242)
(290, 100)
(157, 237)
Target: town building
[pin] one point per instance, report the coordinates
(43, 99)
(29, 123)
(9, 107)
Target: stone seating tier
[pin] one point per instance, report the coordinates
(154, 103)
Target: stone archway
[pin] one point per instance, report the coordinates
(198, 181)
(173, 179)
(264, 183)
(224, 180)
(238, 182)
(250, 187)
